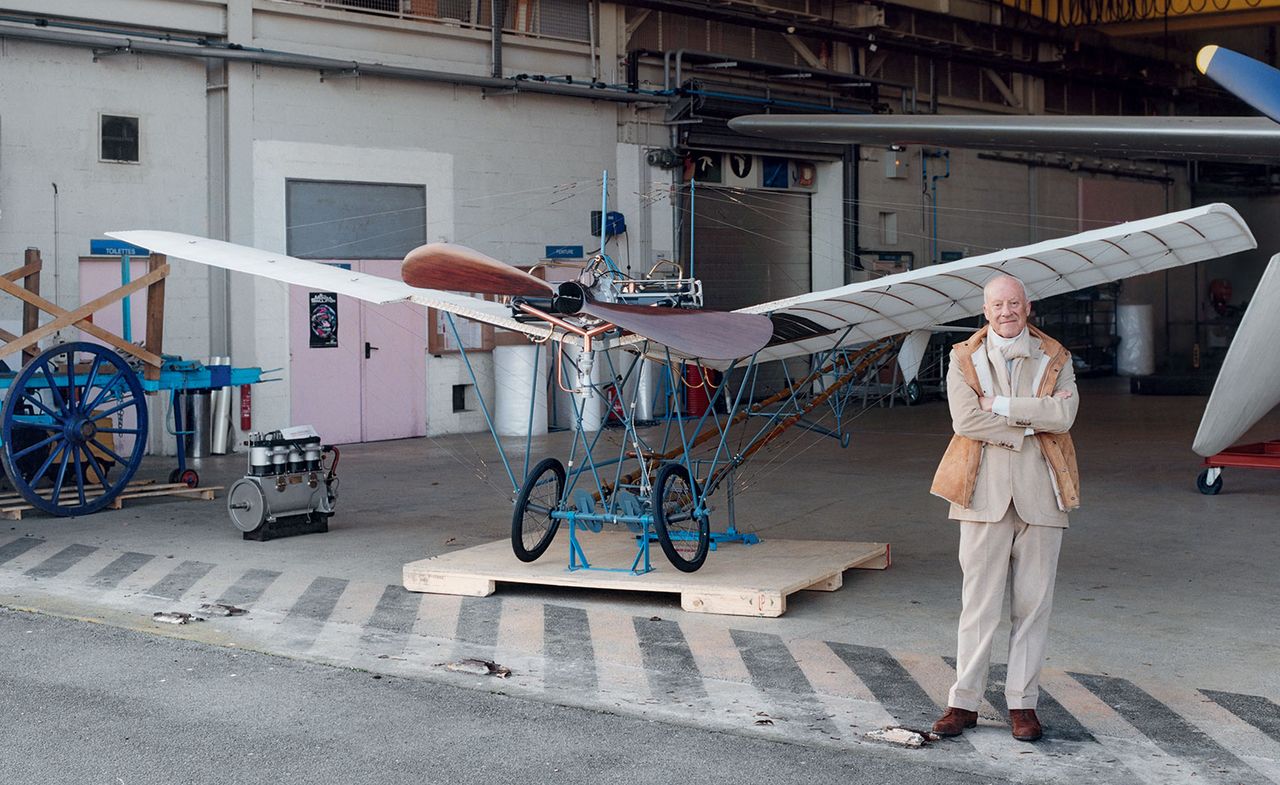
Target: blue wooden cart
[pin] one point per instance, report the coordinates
(73, 424)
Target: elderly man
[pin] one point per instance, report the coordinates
(1010, 475)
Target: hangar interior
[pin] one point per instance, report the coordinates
(350, 132)
(296, 126)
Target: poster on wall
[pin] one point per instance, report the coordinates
(323, 321)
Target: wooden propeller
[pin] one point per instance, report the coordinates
(457, 268)
(713, 335)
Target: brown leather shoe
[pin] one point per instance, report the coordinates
(954, 721)
(1026, 726)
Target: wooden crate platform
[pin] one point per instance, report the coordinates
(13, 505)
(739, 580)
(178, 489)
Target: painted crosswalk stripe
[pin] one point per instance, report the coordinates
(714, 651)
(1256, 710)
(619, 663)
(122, 567)
(519, 642)
(1247, 741)
(393, 616)
(248, 587)
(776, 673)
(1050, 712)
(478, 619)
(1119, 742)
(307, 617)
(438, 616)
(566, 644)
(895, 689)
(15, 548)
(341, 634)
(180, 580)
(61, 561)
(830, 675)
(1052, 715)
(319, 600)
(668, 662)
(1170, 731)
(853, 708)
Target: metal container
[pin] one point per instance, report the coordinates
(196, 422)
(220, 414)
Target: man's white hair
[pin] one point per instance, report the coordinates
(986, 289)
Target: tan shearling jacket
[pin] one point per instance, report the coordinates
(991, 462)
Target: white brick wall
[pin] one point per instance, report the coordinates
(50, 101)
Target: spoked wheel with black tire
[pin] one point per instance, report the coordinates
(80, 408)
(532, 527)
(679, 518)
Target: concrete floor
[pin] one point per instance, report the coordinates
(1158, 587)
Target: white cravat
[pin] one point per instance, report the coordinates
(1009, 349)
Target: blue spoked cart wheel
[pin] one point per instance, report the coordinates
(74, 428)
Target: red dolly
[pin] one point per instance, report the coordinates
(1261, 455)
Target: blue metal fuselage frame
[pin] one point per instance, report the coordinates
(597, 491)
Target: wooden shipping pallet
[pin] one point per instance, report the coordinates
(739, 580)
(13, 505)
(177, 489)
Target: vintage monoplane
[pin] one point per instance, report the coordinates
(657, 482)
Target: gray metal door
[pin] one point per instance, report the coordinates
(749, 247)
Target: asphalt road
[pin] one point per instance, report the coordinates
(89, 703)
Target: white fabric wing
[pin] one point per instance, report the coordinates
(943, 293)
(1248, 385)
(324, 277)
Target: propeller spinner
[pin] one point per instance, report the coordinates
(1253, 82)
(713, 335)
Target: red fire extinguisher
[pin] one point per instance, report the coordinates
(246, 407)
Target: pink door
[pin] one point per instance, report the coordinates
(394, 377)
(371, 386)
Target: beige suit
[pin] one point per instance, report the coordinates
(1013, 523)
(1013, 469)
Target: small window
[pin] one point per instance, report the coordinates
(460, 397)
(119, 139)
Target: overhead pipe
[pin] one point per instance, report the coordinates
(497, 17)
(826, 77)
(121, 42)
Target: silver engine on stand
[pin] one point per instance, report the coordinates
(288, 489)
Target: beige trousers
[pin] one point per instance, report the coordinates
(988, 553)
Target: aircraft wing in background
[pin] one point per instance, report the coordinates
(1252, 139)
(1248, 385)
(1209, 138)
